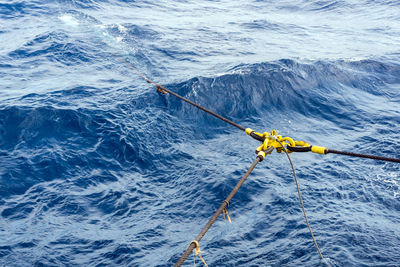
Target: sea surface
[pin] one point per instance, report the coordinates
(98, 169)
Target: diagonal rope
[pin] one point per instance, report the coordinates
(221, 208)
(164, 90)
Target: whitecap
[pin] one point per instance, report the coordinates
(69, 20)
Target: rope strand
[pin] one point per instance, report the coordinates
(302, 204)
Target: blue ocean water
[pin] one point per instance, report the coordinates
(98, 169)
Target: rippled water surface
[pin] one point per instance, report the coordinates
(98, 169)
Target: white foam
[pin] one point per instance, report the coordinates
(391, 179)
(101, 26)
(69, 20)
(121, 28)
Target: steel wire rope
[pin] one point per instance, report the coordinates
(358, 155)
(218, 212)
(162, 89)
(324, 151)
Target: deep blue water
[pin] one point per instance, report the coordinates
(98, 169)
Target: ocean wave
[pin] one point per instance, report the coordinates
(310, 89)
(100, 169)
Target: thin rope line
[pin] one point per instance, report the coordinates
(134, 69)
(302, 204)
